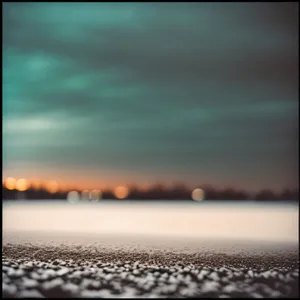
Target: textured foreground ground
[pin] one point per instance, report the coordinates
(150, 250)
(99, 266)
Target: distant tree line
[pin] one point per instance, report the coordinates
(161, 192)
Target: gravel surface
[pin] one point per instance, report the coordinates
(63, 271)
(88, 251)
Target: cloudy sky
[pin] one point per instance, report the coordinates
(114, 93)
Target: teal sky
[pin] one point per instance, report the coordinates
(114, 93)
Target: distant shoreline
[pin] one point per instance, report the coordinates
(252, 221)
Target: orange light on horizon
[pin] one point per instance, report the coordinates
(121, 192)
(22, 184)
(52, 187)
(10, 183)
(198, 195)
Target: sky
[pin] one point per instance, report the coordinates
(98, 94)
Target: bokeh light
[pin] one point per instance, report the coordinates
(52, 187)
(198, 195)
(95, 195)
(73, 197)
(85, 195)
(121, 192)
(22, 184)
(10, 183)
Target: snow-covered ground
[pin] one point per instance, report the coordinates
(177, 220)
(158, 249)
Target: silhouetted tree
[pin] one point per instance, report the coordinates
(108, 194)
(209, 192)
(134, 192)
(289, 195)
(178, 191)
(265, 195)
(157, 192)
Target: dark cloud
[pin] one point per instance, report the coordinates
(191, 88)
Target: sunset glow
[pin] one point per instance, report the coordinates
(22, 185)
(10, 183)
(52, 186)
(121, 192)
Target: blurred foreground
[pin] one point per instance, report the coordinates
(150, 249)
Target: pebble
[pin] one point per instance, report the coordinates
(210, 286)
(50, 273)
(62, 271)
(29, 283)
(156, 274)
(136, 272)
(84, 279)
(53, 284)
(186, 292)
(230, 289)
(251, 274)
(9, 289)
(19, 273)
(214, 276)
(256, 295)
(70, 287)
(30, 294)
